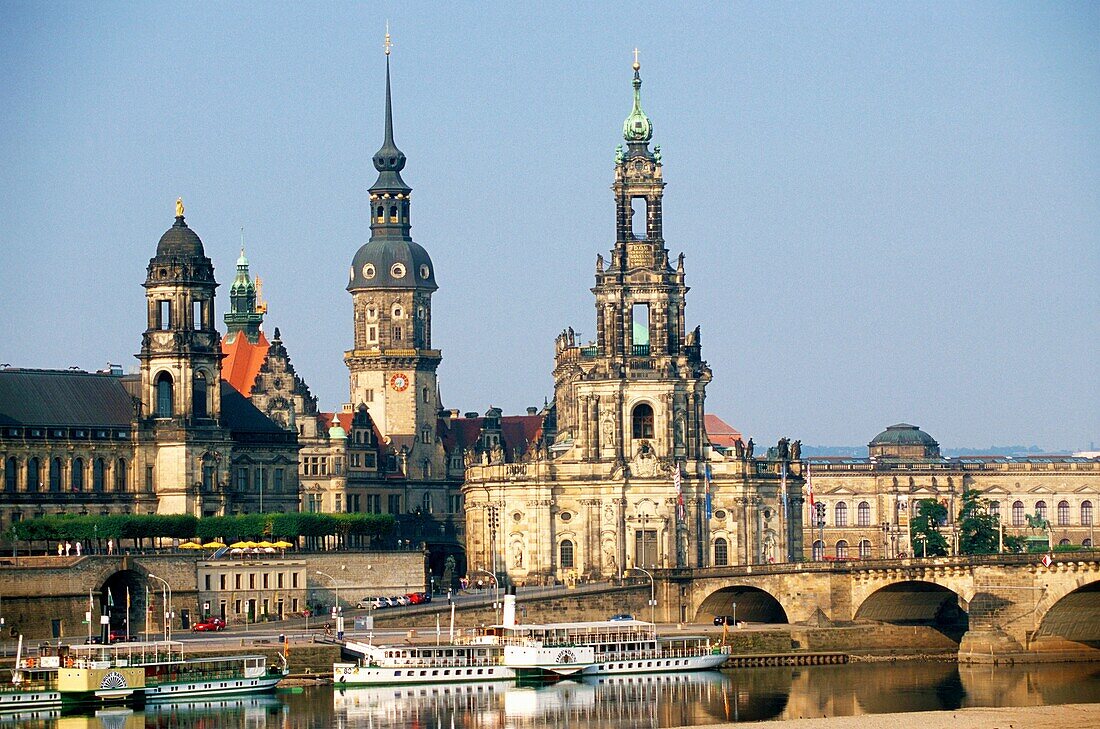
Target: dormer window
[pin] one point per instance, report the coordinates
(398, 312)
(397, 270)
(368, 270)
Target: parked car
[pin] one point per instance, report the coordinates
(203, 626)
(401, 600)
(415, 598)
(372, 603)
(725, 620)
(621, 616)
(118, 636)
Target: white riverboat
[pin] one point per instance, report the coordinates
(546, 651)
(33, 682)
(158, 671)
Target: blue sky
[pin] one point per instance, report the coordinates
(890, 212)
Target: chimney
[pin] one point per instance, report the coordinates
(510, 607)
(532, 411)
(471, 414)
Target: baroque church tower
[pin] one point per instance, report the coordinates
(637, 392)
(181, 372)
(392, 365)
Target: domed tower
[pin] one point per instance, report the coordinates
(180, 350)
(904, 442)
(181, 375)
(392, 365)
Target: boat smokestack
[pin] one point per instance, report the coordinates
(510, 607)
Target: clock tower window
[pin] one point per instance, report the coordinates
(164, 395)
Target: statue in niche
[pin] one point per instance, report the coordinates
(645, 462)
(609, 562)
(517, 555)
(607, 430)
(680, 427)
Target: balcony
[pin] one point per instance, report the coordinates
(639, 350)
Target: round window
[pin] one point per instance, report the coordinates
(719, 514)
(368, 270)
(425, 272)
(517, 516)
(566, 516)
(397, 270)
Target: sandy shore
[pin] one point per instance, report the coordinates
(1066, 716)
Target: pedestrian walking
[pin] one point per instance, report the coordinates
(60, 549)
(110, 547)
(78, 549)
(68, 548)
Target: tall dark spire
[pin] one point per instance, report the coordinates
(389, 160)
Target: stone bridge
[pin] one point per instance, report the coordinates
(1003, 607)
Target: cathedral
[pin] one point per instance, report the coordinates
(629, 470)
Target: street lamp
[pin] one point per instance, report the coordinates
(496, 586)
(337, 611)
(819, 507)
(166, 596)
(652, 595)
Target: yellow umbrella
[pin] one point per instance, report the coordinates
(213, 545)
(240, 545)
(190, 545)
(249, 545)
(282, 545)
(265, 544)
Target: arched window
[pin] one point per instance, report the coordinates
(1018, 513)
(77, 477)
(34, 475)
(642, 421)
(1063, 543)
(424, 393)
(1063, 513)
(1041, 509)
(1086, 513)
(198, 395)
(120, 476)
(842, 549)
(566, 554)
(721, 552)
(55, 475)
(1087, 542)
(98, 472)
(863, 514)
(818, 550)
(164, 395)
(398, 312)
(865, 549)
(840, 515)
(995, 510)
(381, 215)
(393, 213)
(11, 474)
(427, 503)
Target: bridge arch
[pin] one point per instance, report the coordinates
(753, 605)
(122, 597)
(916, 602)
(1073, 612)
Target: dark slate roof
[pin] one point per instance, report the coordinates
(64, 398)
(382, 252)
(241, 416)
(518, 433)
(903, 434)
(179, 240)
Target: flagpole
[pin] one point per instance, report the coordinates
(786, 517)
(90, 611)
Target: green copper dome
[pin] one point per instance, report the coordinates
(637, 127)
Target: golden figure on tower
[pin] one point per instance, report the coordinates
(179, 207)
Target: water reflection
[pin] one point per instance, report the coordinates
(654, 701)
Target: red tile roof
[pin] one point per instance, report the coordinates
(243, 360)
(721, 433)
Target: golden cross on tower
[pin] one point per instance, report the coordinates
(387, 44)
(636, 64)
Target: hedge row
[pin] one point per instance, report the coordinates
(181, 526)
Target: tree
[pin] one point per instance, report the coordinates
(924, 529)
(978, 529)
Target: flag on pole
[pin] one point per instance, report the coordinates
(677, 482)
(810, 486)
(783, 481)
(707, 477)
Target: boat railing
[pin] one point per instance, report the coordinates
(436, 663)
(689, 652)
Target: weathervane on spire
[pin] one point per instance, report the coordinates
(637, 65)
(387, 44)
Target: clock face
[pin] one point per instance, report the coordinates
(399, 381)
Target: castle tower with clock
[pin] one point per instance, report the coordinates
(392, 365)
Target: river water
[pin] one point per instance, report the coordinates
(661, 700)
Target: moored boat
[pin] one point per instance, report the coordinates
(33, 682)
